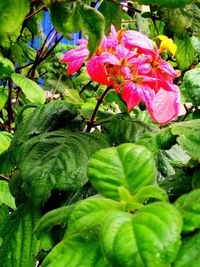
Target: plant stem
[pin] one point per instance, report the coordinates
(3, 177)
(35, 12)
(10, 111)
(90, 123)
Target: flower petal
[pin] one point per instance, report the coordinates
(75, 65)
(95, 68)
(165, 106)
(131, 95)
(75, 54)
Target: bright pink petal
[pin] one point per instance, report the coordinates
(165, 106)
(95, 68)
(109, 58)
(75, 65)
(75, 54)
(166, 68)
(131, 95)
(134, 39)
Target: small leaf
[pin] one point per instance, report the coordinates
(185, 52)
(72, 96)
(33, 92)
(18, 233)
(5, 141)
(189, 207)
(189, 252)
(5, 195)
(151, 191)
(3, 100)
(166, 3)
(150, 237)
(76, 251)
(188, 136)
(128, 165)
(6, 67)
(191, 83)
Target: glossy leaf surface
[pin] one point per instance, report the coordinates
(128, 165)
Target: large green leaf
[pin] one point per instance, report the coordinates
(128, 165)
(5, 195)
(56, 160)
(189, 207)
(94, 31)
(12, 14)
(45, 118)
(188, 136)
(74, 252)
(72, 17)
(90, 213)
(3, 100)
(112, 14)
(5, 141)
(19, 241)
(191, 85)
(185, 52)
(122, 129)
(33, 92)
(150, 237)
(189, 252)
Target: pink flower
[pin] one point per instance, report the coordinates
(76, 57)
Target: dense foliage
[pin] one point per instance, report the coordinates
(100, 142)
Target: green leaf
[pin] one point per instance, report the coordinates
(95, 31)
(5, 141)
(112, 14)
(5, 195)
(12, 14)
(42, 119)
(122, 129)
(3, 100)
(6, 67)
(72, 96)
(76, 251)
(191, 83)
(188, 136)
(189, 252)
(185, 52)
(166, 3)
(89, 214)
(18, 233)
(151, 192)
(150, 237)
(33, 92)
(189, 207)
(64, 16)
(56, 160)
(54, 217)
(161, 139)
(128, 165)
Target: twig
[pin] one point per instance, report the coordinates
(90, 123)
(35, 12)
(10, 111)
(128, 7)
(3, 177)
(85, 87)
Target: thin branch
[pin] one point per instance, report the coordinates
(10, 110)
(35, 12)
(85, 87)
(90, 123)
(128, 7)
(3, 177)
(23, 67)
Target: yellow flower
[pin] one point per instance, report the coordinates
(166, 43)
